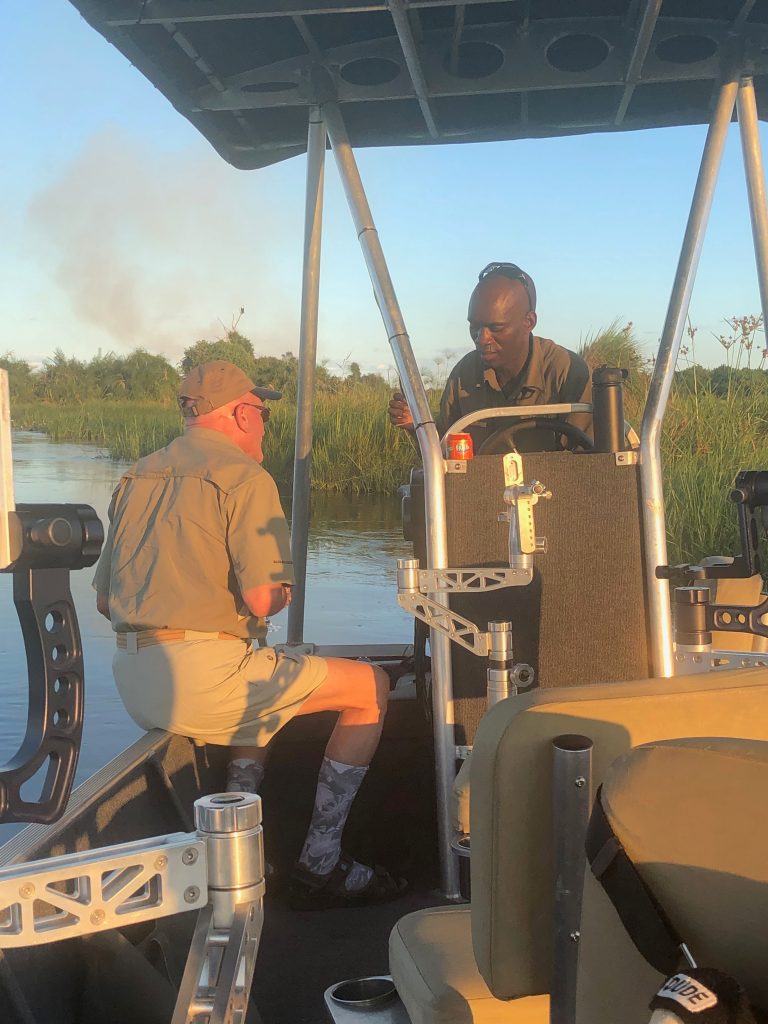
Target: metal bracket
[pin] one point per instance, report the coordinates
(521, 497)
(455, 465)
(46, 542)
(81, 893)
(693, 662)
(216, 985)
(626, 458)
(471, 581)
(445, 621)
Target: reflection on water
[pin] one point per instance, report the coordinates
(350, 590)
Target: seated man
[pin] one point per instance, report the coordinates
(510, 365)
(197, 554)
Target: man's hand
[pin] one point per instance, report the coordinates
(399, 413)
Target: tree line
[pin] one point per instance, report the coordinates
(143, 376)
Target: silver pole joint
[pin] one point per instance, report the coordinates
(408, 575)
(230, 824)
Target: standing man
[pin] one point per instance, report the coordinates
(197, 555)
(510, 365)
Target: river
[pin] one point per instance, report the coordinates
(354, 542)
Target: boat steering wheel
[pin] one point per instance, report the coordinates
(501, 440)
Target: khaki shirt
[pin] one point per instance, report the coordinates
(192, 527)
(551, 374)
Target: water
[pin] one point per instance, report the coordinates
(350, 589)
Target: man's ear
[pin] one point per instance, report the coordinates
(531, 319)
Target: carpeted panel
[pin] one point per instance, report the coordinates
(583, 618)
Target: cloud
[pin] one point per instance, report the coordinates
(153, 247)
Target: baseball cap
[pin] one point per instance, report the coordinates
(210, 385)
(513, 273)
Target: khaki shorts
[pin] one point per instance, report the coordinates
(216, 691)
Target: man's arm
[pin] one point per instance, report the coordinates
(577, 387)
(102, 605)
(260, 546)
(267, 600)
(103, 569)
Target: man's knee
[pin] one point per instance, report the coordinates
(381, 680)
(373, 695)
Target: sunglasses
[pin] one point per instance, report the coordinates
(513, 273)
(265, 412)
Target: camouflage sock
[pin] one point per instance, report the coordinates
(337, 786)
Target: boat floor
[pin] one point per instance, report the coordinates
(392, 823)
(149, 790)
(303, 953)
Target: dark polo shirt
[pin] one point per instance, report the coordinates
(551, 375)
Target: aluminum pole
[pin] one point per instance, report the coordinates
(654, 525)
(310, 292)
(434, 480)
(571, 799)
(753, 168)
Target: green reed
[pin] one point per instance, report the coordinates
(355, 449)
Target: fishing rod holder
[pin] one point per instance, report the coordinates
(217, 870)
(42, 544)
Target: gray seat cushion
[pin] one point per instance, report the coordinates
(431, 961)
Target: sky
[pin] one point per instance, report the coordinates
(121, 227)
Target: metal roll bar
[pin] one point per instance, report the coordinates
(434, 479)
(753, 169)
(310, 296)
(654, 522)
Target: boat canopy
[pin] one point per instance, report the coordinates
(245, 72)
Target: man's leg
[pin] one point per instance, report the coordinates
(359, 691)
(245, 771)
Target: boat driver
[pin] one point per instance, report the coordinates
(510, 365)
(197, 556)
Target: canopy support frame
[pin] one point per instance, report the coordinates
(305, 395)
(755, 175)
(654, 520)
(434, 480)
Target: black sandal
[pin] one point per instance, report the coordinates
(321, 892)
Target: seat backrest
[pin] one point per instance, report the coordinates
(689, 814)
(586, 604)
(511, 807)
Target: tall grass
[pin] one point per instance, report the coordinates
(355, 450)
(707, 439)
(127, 430)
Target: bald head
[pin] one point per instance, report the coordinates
(500, 324)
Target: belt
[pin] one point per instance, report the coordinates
(146, 637)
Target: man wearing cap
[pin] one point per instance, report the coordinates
(197, 555)
(510, 366)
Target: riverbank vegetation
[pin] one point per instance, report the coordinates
(716, 423)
